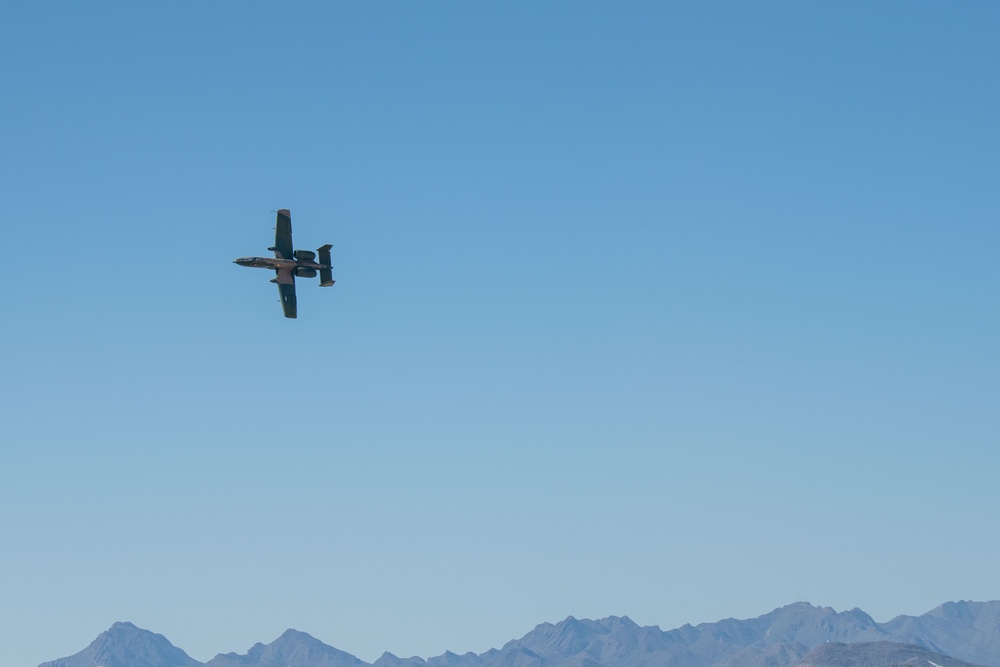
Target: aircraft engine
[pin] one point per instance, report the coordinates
(304, 272)
(304, 255)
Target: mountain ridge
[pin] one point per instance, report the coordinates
(958, 634)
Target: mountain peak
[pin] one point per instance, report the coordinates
(293, 647)
(126, 645)
(616, 622)
(293, 635)
(122, 625)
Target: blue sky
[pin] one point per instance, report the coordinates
(679, 311)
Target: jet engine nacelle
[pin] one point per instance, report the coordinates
(304, 255)
(305, 272)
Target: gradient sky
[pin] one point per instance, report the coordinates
(679, 311)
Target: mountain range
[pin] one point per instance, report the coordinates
(955, 634)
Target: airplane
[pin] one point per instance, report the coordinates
(288, 263)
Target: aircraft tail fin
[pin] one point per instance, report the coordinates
(325, 274)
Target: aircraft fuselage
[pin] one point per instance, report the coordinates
(275, 263)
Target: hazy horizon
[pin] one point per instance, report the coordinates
(960, 630)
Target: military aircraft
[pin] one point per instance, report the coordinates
(288, 263)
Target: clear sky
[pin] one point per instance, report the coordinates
(679, 311)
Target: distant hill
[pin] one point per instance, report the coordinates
(798, 635)
(876, 654)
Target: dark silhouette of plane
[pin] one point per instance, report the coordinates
(288, 263)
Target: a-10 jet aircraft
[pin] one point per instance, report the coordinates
(288, 263)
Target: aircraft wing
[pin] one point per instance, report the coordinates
(283, 235)
(286, 289)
